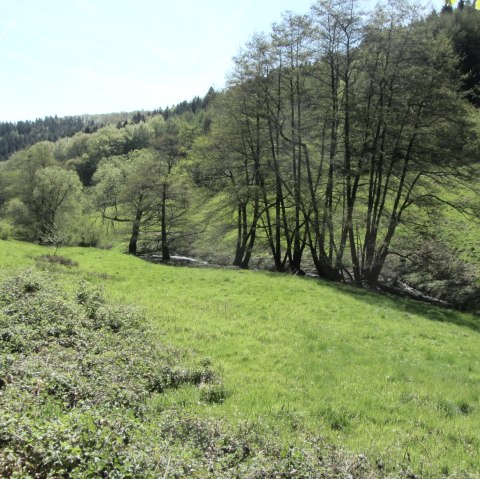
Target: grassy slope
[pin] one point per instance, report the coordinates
(380, 376)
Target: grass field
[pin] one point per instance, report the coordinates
(389, 378)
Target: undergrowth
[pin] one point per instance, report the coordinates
(74, 375)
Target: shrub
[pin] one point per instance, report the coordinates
(75, 373)
(6, 231)
(213, 393)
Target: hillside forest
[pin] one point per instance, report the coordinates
(345, 145)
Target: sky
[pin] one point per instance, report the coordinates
(74, 57)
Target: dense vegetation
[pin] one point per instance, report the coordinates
(75, 373)
(16, 136)
(23, 134)
(75, 376)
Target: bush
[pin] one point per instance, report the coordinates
(213, 393)
(6, 231)
(75, 373)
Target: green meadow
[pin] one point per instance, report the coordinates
(396, 380)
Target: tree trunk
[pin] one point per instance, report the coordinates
(164, 238)
(240, 246)
(132, 246)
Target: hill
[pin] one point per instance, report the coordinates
(15, 136)
(392, 379)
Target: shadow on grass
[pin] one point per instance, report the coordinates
(411, 306)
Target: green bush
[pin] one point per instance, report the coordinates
(6, 231)
(213, 393)
(74, 376)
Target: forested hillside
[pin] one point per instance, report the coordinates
(15, 136)
(340, 144)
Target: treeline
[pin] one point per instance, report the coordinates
(337, 146)
(195, 105)
(463, 28)
(16, 136)
(22, 134)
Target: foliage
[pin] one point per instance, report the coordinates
(16, 136)
(75, 372)
(463, 26)
(338, 146)
(146, 188)
(6, 230)
(23, 134)
(339, 137)
(333, 128)
(41, 197)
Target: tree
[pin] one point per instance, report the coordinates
(27, 163)
(172, 199)
(415, 126)
(462, 25)
(124, 191)
(229, 161)
(143, 188)
(333, 129)
(53, 202)
(41, 194)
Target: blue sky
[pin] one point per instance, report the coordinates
(70, 57)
